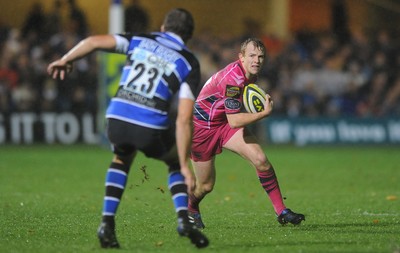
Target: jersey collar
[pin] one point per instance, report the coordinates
(175, 37)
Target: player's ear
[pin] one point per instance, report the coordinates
(241, 57)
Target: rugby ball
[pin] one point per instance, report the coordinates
(253, 98)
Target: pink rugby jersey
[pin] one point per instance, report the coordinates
(220, 95)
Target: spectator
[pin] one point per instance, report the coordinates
(340, 20)
(53, 19)
(314, 73)
(136, 17)
(34, 22)
(77, 18)
(391, 102)
(4, 30)
(8, 81)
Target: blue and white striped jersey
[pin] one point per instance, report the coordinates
(158, 66)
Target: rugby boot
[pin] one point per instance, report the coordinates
(190, 230)
(107, 237)
(288, 216)
(195, 218)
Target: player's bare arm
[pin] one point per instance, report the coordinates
(243, 119)
(61, 67)
(183, 139)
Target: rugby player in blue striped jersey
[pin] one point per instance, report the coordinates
(158, 66)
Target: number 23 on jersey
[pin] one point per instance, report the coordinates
(145, 73)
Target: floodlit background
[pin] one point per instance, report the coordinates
(332, 71)
(332, 68)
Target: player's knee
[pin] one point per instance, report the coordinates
(260, 160)
(262, 163)
(206, 188)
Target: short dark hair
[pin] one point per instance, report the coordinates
(257, 44)
(179, 21)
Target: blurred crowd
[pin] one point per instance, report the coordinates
(25, 53)
(319, 73)
(310, 74)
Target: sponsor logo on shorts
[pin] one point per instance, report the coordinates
(232, 104)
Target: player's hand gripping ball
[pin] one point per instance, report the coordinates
(254, 98)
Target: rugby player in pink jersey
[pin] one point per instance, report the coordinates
(219, 122)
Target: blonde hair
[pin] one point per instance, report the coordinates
(256, 42)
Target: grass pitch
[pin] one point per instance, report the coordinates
(51, 200)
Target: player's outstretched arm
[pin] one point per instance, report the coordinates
(61, 67)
